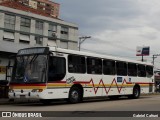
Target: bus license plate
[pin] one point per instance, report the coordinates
(22, 96)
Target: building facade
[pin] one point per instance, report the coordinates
(48, 7)
(20, 29)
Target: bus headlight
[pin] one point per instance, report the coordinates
(11, 90)
(37, 90)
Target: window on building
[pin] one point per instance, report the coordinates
(121, 68)
(109, 67)
(9, 22)
(76, 64)
(57, 68)
(132, 69)
(8, 36)
(25, 39)
(39, 40)
(141, 70)
(149, 71)
(23, 42)
(47, 5)
(39, 27)
(52, 30)
(25, 24)
(94, 66)
(64, 32)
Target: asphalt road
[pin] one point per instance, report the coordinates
(144, 103)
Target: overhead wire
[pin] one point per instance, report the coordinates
(119, 46)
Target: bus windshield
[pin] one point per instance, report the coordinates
(30, 69)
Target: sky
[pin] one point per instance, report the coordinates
(116, 27)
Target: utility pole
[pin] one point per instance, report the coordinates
(142, 58)
(154, 57)
(81, 40)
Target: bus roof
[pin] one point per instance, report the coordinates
(55, 49)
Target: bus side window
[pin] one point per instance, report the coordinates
(121, 68)
(149, 71)
(141, 71)
(76, 64)
(132, 69)
(109, 67)
(94, 65)
(57, 68)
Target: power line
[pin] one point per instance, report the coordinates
(122, 47)
(115, 54)
(115, 44)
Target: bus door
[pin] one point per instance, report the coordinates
(150, 77)
(56, 69)
(121, 79)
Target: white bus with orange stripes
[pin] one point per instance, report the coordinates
(48, 73)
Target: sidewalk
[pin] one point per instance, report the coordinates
(5, 101)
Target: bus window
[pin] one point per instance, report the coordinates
(149, 71)
(108, 67)
(76, 64)
(121, 68)
(57, 68)
(94, 66)
(141, 71)
(132, 69)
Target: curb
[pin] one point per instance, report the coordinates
(150, 94)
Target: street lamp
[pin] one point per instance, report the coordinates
(81, 40)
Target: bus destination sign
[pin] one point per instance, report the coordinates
(36, 50)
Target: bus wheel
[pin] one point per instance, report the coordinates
(75, 95)
(136, 93)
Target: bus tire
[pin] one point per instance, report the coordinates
(75, 95)
(136, 93)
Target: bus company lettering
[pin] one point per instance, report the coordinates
(70, 80)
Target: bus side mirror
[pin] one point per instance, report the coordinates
(11, 57)
(9, 63)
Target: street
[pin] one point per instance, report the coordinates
(144, 103)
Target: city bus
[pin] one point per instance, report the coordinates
(48, 73)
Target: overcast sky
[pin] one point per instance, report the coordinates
(117, 27)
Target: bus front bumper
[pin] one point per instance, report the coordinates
(24, 94)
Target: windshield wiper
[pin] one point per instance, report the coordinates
(33, 59)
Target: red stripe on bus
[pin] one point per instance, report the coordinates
(107, 91)
(57, 82)
(82, 82)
